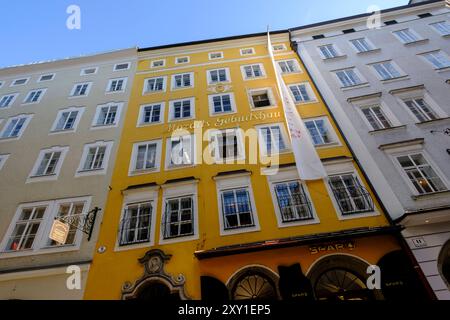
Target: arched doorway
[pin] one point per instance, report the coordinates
(156, 291)
(341, 277)
(444, 263)
(255, 283)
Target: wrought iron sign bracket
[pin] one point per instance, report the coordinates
(85, 223)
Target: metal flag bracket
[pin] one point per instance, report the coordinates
(84, 222)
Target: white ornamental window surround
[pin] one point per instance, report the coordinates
(222, 103)
(362, 45)
(88, 71)
(247, 51)
(19, 82)
(302, 92)
(227, 145)
(122, 66)
(438, 59)
(67, 120)
(387, 70)
(441, 27)
(349, 77)
(262, 98)
(221, 75)
(7, 100)
(321, 132)
(158, 63)
(95, 158)
(253, 71)
(288, 66)
(183, 80)
(215, 55)
(151, 114)
(154, 85)
(48, 164)
(182, 109)
(182, 60)
(107, 115)
(15, 127)
(180, 152)
(145, 157)
(407, 36)
(46, 77)
(273, 139)
(329, 51)
(117, 85)
(34, 96)
(81, 89)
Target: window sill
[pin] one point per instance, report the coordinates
(263, 108)
(134, 246)
(92, 172)
(61, 131)
(401, 78)
(388, 129)
(230, 232)
(302, 103)
(181, 119)
(328, 145)
(30, 103)
(335, 58)
(41, 251)
(175, 167)
(48, 177)
(9, 139)
(103, 126)
(298, 223)
(181, 88)
(148, 93)
(445, 69)
(149, 124)
(369, 51)
(431, 195)
(112, 92)
(255, 78)
(76, 97)
(358, 215)
(178, 239)
(420, 41)
(425, 123)
(356, 86)
(142, 172)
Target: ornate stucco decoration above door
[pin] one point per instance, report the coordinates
(154, 261)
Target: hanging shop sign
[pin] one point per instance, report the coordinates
(59, 231)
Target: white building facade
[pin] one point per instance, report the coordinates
(60, 123)
(387, 86)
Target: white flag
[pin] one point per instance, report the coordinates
(307, 160)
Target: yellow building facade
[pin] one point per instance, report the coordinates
(181, 226)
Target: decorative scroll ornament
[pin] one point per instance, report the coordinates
(154, 261)
(220, 88)
(83, 222)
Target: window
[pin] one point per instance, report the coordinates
(346, 31)
(348, 77)
(3, 159)
(278, 47)
(95, 158)
(288, 66)
(438, 59)
(228, 145)
(321, 131)
(350, 195)
(181, 60)
(81, 89)
(46, 77)
(407, 36)
(261, 98)
(376, 117)
(180, 151)
(34, 96)
(386, 70)
(158, 63)
(302, 93)
(32, 221)
(420, 173)
(15, 127)
(7, 100)
(107, 115)
(247, 51)
(362, 45)
(237, 209)
(293, 202)
(135, 226)
(215, 55)
(20, 82)
(117, 85)
(328, 51)
(442, 27)
(420, 109)
(157, 84)
(146, 156)
(185, 80)
(253, 71)
(218, 76)
(390, 22)
(424, 15)
(122, 66)
(221, 103)
(179, 217)
(318, 36)
(88, 71)
(182, 109)
(67, 119)
(272, 139)
(152, 113)
(49, 163)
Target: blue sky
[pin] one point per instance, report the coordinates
(36, 30)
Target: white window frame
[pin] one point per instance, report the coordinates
(241, 181)
(384, 109)
(286, 175)
(75, 124)
(3, 159)
(22, 130)
(227, 74)
(261, 66)
(335, 48)
(212, 135)
(81, 172)
(212, 112)
(284, 136)
(179, 190)
(423, 56)
(432, 25)
(402, 74)
(88, 90)
(95, 124)
(183, 57)
(142, 195)
(14, 95)
(132, 171)
(171, 109)
(141, 122)
(124, 85)
(216, 52)
(27, 79)
(40, 243)
(152, 63)
(243, 53)
(413, 33)
(32, 177)
(121, 63)
(342, 167)
(43, 91)
(193, 155)
(144, 90)
(282, 45)
(296, 64)
(309, 90)
(357, 73)
(83, 71)
(46, 75)
(191, 80)
(270, 94)
(368, 42)
(335, 143)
